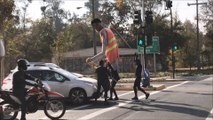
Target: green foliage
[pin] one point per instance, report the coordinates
(40, 40)
(74, 37)
(35, 45)
(187, 56)
(51, 36)
(6, 9)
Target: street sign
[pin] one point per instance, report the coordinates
(155, 48)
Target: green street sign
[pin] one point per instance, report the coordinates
(155, 48)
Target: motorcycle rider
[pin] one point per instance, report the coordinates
(19, 83)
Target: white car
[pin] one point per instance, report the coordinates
(74, 86)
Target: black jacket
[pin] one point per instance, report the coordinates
(102, 76)
(19, 81)
(138, 71)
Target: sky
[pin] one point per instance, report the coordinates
(180, 7)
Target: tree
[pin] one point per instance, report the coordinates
(188, 53)
(22, 13)
(40, 40)
(6, 8)
(74, 37)
(56, 14)
(11, 34)
(207, 15)
(34, 45)
(207, 18)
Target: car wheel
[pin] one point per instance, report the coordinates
(77, 96)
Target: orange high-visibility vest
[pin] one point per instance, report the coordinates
(111, 52)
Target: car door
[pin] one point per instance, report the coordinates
(56, 81)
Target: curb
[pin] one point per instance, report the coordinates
(161, 79)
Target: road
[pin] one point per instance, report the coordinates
(180, 100)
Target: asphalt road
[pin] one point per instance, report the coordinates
(180, 100)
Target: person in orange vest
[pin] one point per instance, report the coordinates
(109, 50)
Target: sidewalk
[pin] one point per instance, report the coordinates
(129, 87)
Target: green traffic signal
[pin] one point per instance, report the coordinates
(140, 42)
(174, 47)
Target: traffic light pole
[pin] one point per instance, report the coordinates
(143, 28)
(169, 6)
(173, 57)
(144, 52)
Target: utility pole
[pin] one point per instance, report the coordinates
(169, 6)
(2, 55)
(142, 28)
(94, 38)
(198, 41)
(173, 56)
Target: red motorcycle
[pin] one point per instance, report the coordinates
(36, 96)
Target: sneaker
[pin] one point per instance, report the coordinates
(23, 119)
(110, 98)
(135, 98)
(147, 95)
(116, 98)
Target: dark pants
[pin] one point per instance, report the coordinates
(21, 96)
(112, 89)
(137, 87)
(105, 84)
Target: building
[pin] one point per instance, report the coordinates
(75, 60)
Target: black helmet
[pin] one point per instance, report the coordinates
(22, 64)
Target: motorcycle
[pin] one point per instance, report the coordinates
(36, 96)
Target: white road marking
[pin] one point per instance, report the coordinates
(84, 106)
(210, 116)
(94, 114)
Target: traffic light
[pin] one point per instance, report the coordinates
(174, 47)
(168, 4)
(148, 17)
(137, 17)
(141, 40)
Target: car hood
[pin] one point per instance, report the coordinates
(88, 80)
